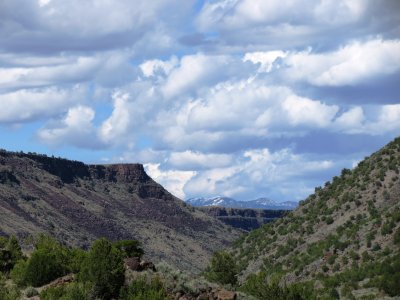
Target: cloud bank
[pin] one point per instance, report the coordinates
(231, 97)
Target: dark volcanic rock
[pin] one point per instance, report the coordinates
(243, 218)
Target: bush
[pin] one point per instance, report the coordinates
(222, 268)
(42, 268)
(103, 269)
(257, 286)
(329, 220)
(10, 253)
(52, 293)
(8, 292)
(144, 289)
(129, 248)
(76, 257)
(18, 273)
(396, 237)
(49, 261)
(73, 291)
(31, 292)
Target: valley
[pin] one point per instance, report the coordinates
(342, 242)
(78, 203)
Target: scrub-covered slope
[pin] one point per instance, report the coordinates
(344, 239)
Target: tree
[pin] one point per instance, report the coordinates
(103, 268)
(129, 248)
(10, 253)
(14, 248)
(43, 267)
(49, 261)
(222, 268)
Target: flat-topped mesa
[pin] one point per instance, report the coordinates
(120, 172)
(69, 170)
(132, 174)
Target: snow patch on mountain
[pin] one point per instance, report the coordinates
(260, 203)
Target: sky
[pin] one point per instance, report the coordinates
(239, 98)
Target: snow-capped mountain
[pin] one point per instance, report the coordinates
(260, 203)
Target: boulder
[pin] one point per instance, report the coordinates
(147, 265)
(132, 263)
(226, 295)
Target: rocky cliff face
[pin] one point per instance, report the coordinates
(78, 203)
(244, 218)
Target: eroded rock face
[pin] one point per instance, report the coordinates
(127, 173)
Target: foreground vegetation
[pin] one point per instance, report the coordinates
(99, 272)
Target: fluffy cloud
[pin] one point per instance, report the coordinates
(117, 125)
(75, 129)
(172, 180)
(196, 103)
(197, 71)
(388, 120)
(28, 105)
(351, 120)
(249, 174)
(305, 111)
(157, 66)
(82, 69)
(246, 24)
(57, 26)
(196, 160)
(350, 65)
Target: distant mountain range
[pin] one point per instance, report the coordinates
(260, 203)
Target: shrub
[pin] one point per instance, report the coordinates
(387, 227)
(42, 268)
(76, 257)
(10, 253)
(8, 292)
(3, 242)
(14, 248)
(49, 261)
(142, 288)
(329, 220)
(257, 286)
(52, 293)
(396, 237)
(31, 292)
(18, 273)
(73, 291)
(129, 248)
(331, 259)
(222, 268)
(103, 269)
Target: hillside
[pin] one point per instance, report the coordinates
(78, 203)
(243, 218)
(342, 241)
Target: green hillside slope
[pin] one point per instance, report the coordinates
(343, 240)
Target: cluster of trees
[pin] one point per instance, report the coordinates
(99, 272)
